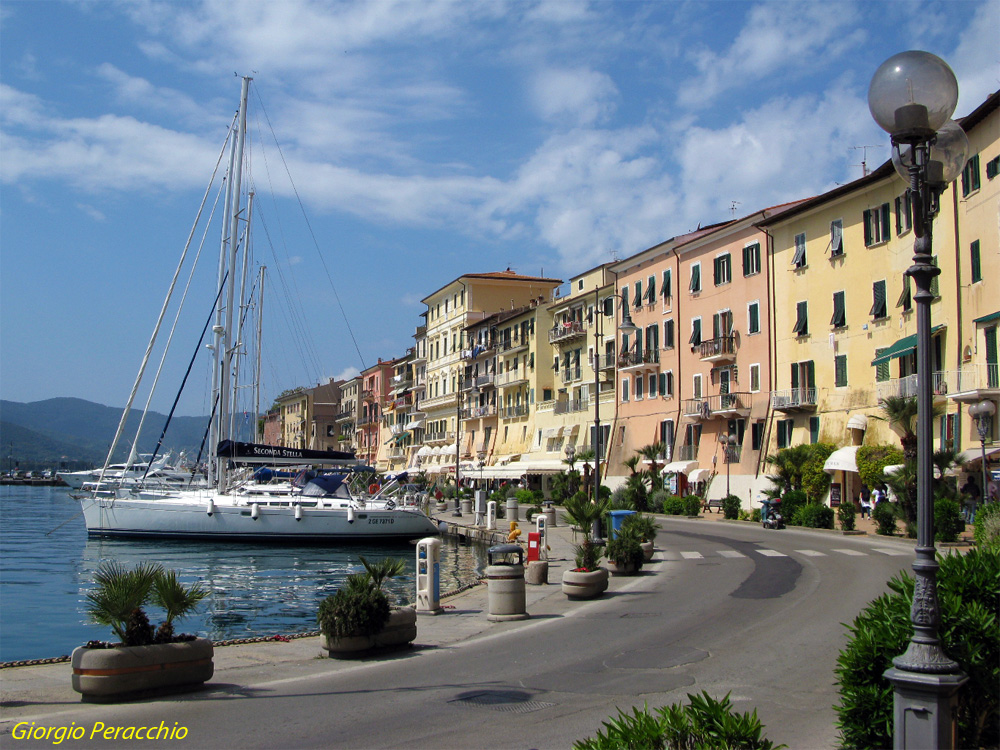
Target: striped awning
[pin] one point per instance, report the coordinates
(901, 348)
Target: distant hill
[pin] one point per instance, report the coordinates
(47, 433)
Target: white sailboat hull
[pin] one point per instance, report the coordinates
(270, 522)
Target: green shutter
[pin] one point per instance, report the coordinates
(665, 290)
(754, 315)
(904, 300)
(695, 285)
(878, 300)
(795, 375)
(935, 282)
(977, 273)
(840, 367)
(810, 374)
(813, 430)
(885, 222)
(695, 332)
(882, 368)
(868, 227)
(992, 367)
(624, 298)
(801, 319)
(637, 302)
(651, 289)
(839, 318)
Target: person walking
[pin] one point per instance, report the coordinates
(866, 505)
(971, 492)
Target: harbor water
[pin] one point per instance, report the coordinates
(47, 564)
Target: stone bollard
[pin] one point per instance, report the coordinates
(512, 509)
(537, 573)
(505, 583)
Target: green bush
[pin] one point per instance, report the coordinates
(948, 523)
(813, 516)
(885, 516)
(358, 608)
(755, 515)
(791, 501)
(703, 723)
(635, 492)
(674, 505)
(847, 515)
(642, 525)
(731, 505)
(969, 599)
(656, 500)
(692, 505)
(987, 532)
(624, 549)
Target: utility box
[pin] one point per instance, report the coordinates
(534, 545)
(505, 583)
(480, 507)
(429, 576)
(542, 529)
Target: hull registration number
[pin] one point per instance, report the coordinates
(381, 520)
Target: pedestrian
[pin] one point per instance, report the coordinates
(971, 493)
(877, 496)
(866, 505)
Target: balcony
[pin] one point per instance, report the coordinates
(478, 350)
(513, 377)
(571, 329)
(719, 349)
(439, 437)
(572, 405)
(482, 381)
(720, 406)
(794, 399)
(512, 345)
(644, 358)
(606, 362)
(514, 412)
(369, 395)
(906, 387)
(972, 383)
(732, 454)
(571, 374)
(478, 412)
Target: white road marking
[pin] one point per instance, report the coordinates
(771, 553)
(730, 553)
(692, 555)
(811, 553)
(896, 552)
(852, 552)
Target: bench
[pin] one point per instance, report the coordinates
(709, 504)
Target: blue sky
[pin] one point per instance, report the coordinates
(425, 139)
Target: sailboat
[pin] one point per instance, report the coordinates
(323, 504)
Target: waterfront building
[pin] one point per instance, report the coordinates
(349, 414)
(294, 407)
(324, 401)
(398, 413)
(272, 427)
(371, 427)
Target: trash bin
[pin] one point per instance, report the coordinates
(505, 583)
(550, 513)
(617, 518)
(512, 509)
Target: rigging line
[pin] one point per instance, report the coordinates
(159, 322)
(177, 398)
(311, 232)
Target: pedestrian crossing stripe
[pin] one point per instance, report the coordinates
(896, 552)
(853, 552)
(811, 553)
(691, 555)
(730, 553)
(675, 555)
(771, 553)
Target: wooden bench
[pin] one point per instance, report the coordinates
(709, 504)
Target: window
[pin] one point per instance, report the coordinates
(653, 341)
(651, 290)
(652, 385)
(836, 238)
(840, 370)
(839, 319)
(723, 269)
(882, 368)
(785, 432)
(667, 384)
(905, 300)
(977, 271)
(625, 389)
(878, 310)
(638, 387)
(751, 259)
(876, 222)
(753, 317)
(814, 430)
(970, 176)
(904, 214)
(610, 310)
(668, 334)
(637, 302)
(666, 289)
(696, 383)
(799, 261)
(667, 433)
(754, 378)
(757, 435)
(695, 339)
(993, 167)
(695, 285)
(801, 319)
(722, 324)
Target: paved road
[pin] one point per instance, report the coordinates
(724, 608)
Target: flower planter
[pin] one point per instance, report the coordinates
(107, 675)
(628, 569)
(400, 630)
(584, 584)
(647, 550)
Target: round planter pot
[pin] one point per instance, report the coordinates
(622, 570)
(400, 630)
(578, 584)
(647, 550)
(107, 675)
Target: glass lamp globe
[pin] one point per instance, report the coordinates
(912, 94)
(947, 156)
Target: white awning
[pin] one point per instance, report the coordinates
(842, 459)
(858, 422)
(425, 450)
(502, 472)
(892, 469)
(700, 475)
(541, 466)
(680, 467)
(975, 455)
(414, 424)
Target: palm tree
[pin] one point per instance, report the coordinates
(383, 570)
(586, 456)
(900, 412)
(788, 464)
(652, 453)
(631, 463)
(175, 600)
(120, 592)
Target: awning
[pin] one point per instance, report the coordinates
(857, 422)
(680, 467)
(892, 469)
(699, 475)
(842, 459)
(988, 318)
(542, 466)
(502, 472)
(414, 424)
(971, 455)
(901, 348)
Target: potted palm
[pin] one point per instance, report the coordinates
(358, 618)
(624, 552)
(588, 579)
(645, 529)
(146, 661)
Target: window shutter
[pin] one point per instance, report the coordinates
(716, 325)
(882, 368)
(695, 285)
(839, 313)
(885, 223)
(904, 300)
(977, 274)
(624, 299)
(795, 375)
(878, 300)
(754, 318)
(935, 282)
(800, 251)
(810, 374)
(836, 237)
(663, 384)
(651, 290)
(695, 339)
(637, 302)
(668, 334)
(868, 227)
(801, 319)
(665, 290)
(746, 261)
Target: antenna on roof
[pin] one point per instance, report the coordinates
(864, 158)
(732, 207)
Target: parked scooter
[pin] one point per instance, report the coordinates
(770, 514)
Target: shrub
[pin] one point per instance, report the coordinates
(588, 555)
(692, 505)
(635, 492)
(813, 516)
(791, 501)
(673, 505)
(948, 523)
(885, 516)
(703, 723)
(755, 515)
(656, 500)
(970, 634)
(624, 549)
(987, 532)
(357, 608)
(731, 506)
(642, 525)
(847, 514)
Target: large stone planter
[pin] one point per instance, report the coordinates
(615, 569)
(400, 630)
(108, 675)
(580, 584)
(647, 550)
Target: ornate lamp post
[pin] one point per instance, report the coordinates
(458, 446)
(912, 96)
(983, 414)
(728, 443)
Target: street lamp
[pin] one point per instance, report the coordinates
(728, 443)
(626, 327)
(912, 96)
(458, 446)
(983, 414)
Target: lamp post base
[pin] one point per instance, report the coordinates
(923, 708)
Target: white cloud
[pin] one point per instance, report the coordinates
(138, 91)
(976, 60)
(92, 212)
(347, 373)
(580, 97)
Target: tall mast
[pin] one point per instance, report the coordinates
(227, 335)
(256, 379)
(241, 323)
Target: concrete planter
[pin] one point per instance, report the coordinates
(400, 630)
(647, 550)
(579, 584)
(108, 675)
(615, 569)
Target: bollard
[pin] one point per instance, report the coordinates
(491, 515)
(505, 582)
(542, 529)
(537, 573)
(512, 509)
(550, 513)
(466, 506)
(429, 576)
